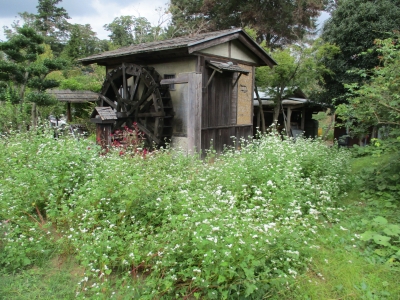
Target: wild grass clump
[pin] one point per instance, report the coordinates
(169, 225)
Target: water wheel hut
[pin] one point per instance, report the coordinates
(195, 91)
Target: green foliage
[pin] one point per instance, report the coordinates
(383, 238)
(128, 30)
(376, 101)
(82, 42)
(41, 99)
(298, 67)
(79, 79)
(12, 117)
(276, 22)
(51, 21)
(353, 27)
(168, 225)
(54, 280)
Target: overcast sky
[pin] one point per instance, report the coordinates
(93, 12)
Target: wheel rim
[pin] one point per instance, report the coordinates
(135, 95)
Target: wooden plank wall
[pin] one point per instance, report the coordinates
(220, 112)
(194, 112)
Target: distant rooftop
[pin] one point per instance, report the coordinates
(74, 96)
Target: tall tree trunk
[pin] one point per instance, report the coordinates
(329, 127)
(261, 110)
(277, 111)
(22, 89)
(278, 104)
(34, 115)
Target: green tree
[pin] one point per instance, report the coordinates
(353, 27)
(128, 30)
(121, 30)
(51, 20)
(82, 42)
(376, 101)
(26, 64)
(21, 50)
(276, 22)
(299, 66)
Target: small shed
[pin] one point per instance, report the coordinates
(196, 91)
(295, 116)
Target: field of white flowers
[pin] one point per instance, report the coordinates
(169, 226)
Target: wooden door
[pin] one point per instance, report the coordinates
(218, 112)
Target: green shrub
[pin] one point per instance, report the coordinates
(167, 225)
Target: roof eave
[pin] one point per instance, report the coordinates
(105, 60)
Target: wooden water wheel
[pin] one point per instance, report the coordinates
(135, 94)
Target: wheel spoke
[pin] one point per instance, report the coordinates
(116, 91)
(134, 88)
(151, 114)
(109, 102)
(149, 133)
(144, 97)
(124, 83)
(133, 92)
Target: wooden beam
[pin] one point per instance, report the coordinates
(236, 81)
(214, 42)
(211, 77)
(303, 119)
(112, 104)
(194, 113)
(151, 114)
(69, 115)
(288, 118)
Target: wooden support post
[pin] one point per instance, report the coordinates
(288, 118)
(69, 114)
(194, 113)
(303, 119)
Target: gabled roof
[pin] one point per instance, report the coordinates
(185, 45)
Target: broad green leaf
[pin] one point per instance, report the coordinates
(380, 220)
(392, 230)
(26, 261)
(381, 240)
(221, 279)
(250, 288)
(382, 252)
(366, 236)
